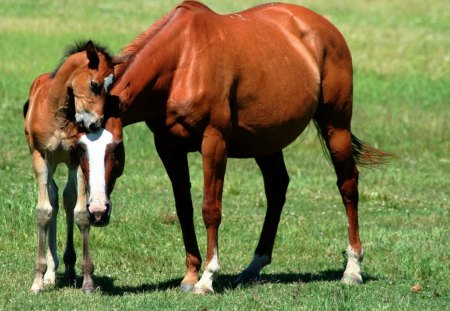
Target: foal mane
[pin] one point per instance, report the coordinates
(80, 46)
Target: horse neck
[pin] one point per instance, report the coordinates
(160, 57)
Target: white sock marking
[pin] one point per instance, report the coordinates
(210, 273)
(354, 263)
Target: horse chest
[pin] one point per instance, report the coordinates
(60, 140)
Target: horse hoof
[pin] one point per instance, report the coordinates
(186, 287)
(248, 277)
(351, 279)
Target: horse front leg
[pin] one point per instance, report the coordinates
(44, 216)
(176, 165)
(82, 220)
(276, 181)
(214, 157)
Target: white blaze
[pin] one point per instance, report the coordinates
(95, 144)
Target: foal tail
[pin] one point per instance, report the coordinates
(363, 154)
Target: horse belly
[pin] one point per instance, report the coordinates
(260, 132)
(271, 114)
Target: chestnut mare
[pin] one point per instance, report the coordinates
(239, 85)
(58, 104)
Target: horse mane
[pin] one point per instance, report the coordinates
(80, 46)
(131, 50)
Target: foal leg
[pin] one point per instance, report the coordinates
(214, 157)
(52, 257)
(82, 220)
(339, 143)
(177, 168)
(69, 201)
(276, 182)
(44, 213)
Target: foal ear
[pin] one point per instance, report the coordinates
(92, 55)
(117, 60)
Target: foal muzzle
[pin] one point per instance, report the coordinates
(88, 121)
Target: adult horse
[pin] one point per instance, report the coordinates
(238, 85)
(58, 104)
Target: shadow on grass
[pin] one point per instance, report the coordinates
(224, 282)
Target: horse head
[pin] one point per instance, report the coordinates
(102, 160)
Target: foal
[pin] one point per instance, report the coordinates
(59, 104)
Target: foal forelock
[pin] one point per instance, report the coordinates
(95, 145)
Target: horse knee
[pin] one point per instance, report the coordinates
(69, 197)
(44, 213)
(212, 216)
(284, 182)
(81, 216)
(277, 188)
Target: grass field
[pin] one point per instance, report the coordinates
(401, 53)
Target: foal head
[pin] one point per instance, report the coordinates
(87, 72)
(102, 160)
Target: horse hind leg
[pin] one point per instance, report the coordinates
(338, 140)
(276, 182)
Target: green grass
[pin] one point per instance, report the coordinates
(402, 89)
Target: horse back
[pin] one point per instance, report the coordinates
(261, 68)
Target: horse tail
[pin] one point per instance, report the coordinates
(25, 108)
(368, 156)
(363, 154)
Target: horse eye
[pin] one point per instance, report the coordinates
(96, 87)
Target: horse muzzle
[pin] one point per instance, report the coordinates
(99, 213)
(88, 121)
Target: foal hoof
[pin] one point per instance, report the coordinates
(36, 290)
(88, 291)
(186, 287)
(38, 286)
(49, 279)
(247, 277)
(351, 279)
(202, 290)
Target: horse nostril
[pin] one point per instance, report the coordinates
(108, 206)
(93, 126)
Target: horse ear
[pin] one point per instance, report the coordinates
(92, 55)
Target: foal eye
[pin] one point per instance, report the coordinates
(96, 87)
